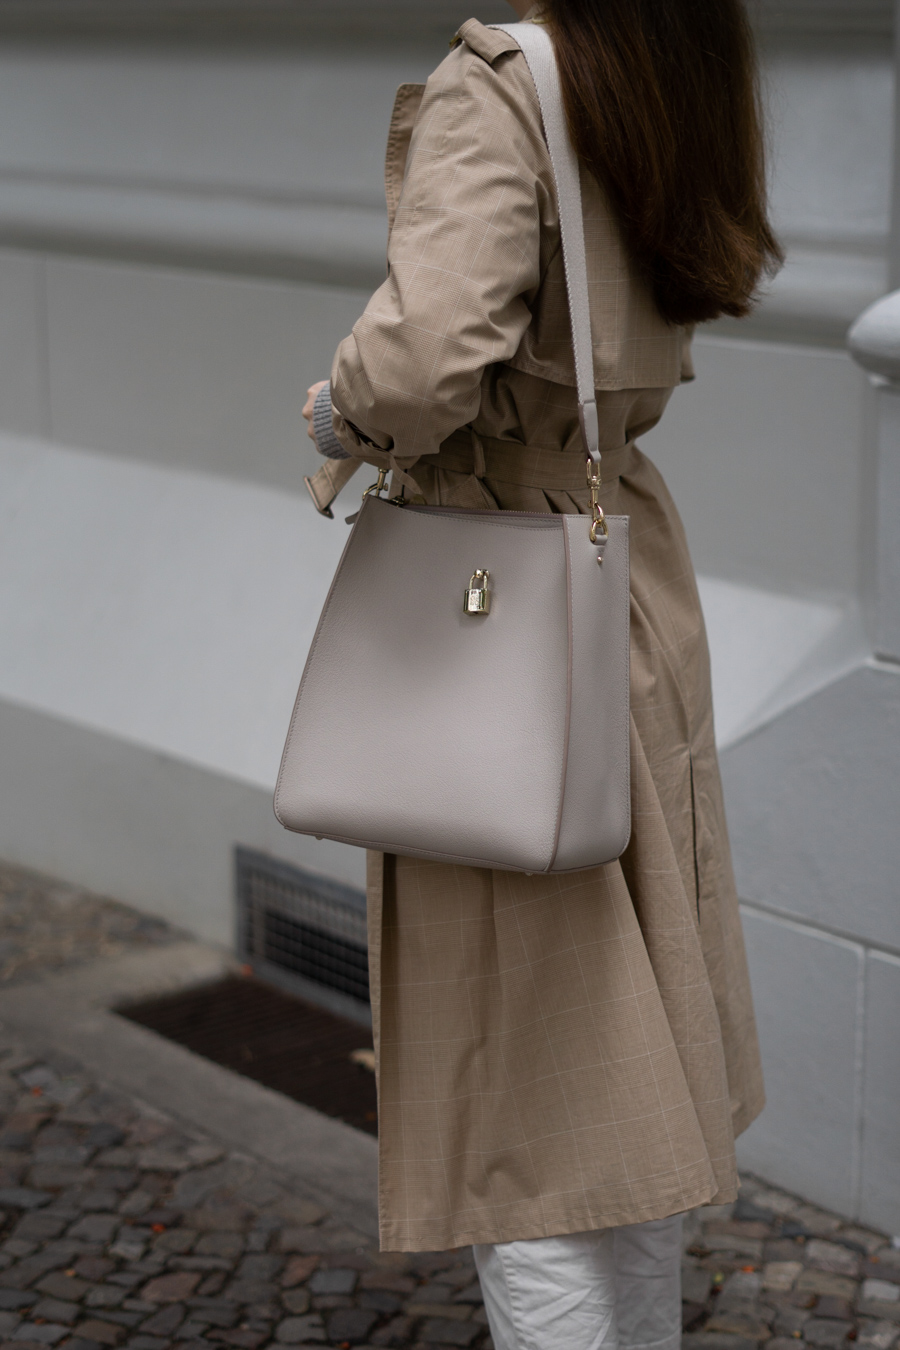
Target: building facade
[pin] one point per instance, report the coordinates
(191, 217)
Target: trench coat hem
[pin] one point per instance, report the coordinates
(396, 1237)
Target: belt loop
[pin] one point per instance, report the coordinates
(478, 465)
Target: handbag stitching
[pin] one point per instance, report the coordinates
(538, 519)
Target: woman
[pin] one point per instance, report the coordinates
(564, 1061)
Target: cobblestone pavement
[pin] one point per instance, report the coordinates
(47, 925)
(120, 1228)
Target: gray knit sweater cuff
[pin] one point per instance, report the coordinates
(328, 443)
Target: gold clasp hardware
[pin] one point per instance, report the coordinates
(477, 599)
(599, 527)
(401, 499)
(375, 489)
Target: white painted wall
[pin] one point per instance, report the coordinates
(762, 453)
(188, 225)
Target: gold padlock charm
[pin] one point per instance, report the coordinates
(477, 599)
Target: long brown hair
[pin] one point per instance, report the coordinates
(663, 105)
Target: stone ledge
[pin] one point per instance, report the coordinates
(338, 245)
(230, 20)
(817, 295)
(820, 291)
(218, 20)
(843, 18)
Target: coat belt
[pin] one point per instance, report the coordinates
(487, 457)
(524, 465)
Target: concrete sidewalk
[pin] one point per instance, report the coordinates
(152, 1199)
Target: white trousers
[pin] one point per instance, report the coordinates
(615, 1289)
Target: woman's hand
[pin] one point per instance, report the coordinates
(311, 393)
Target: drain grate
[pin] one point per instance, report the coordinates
(265, 1034)
(304, 933)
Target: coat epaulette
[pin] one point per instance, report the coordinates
(488, 43)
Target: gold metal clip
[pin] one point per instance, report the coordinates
(376, 488)
(477, 598)
(599, 527)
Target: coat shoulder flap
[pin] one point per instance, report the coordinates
(488, 43)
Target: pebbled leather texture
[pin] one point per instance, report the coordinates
(421, 730)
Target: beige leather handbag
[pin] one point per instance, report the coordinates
(465, 698)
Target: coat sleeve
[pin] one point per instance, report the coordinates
(464, 258)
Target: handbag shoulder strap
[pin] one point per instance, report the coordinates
(537, 48)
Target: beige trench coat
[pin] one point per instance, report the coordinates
(555, 1053)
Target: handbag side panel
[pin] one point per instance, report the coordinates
(596, 814)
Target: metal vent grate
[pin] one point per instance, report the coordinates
(266, 1034)
(304, 933)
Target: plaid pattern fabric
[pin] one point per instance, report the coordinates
(555, 1054)
(476, 270)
